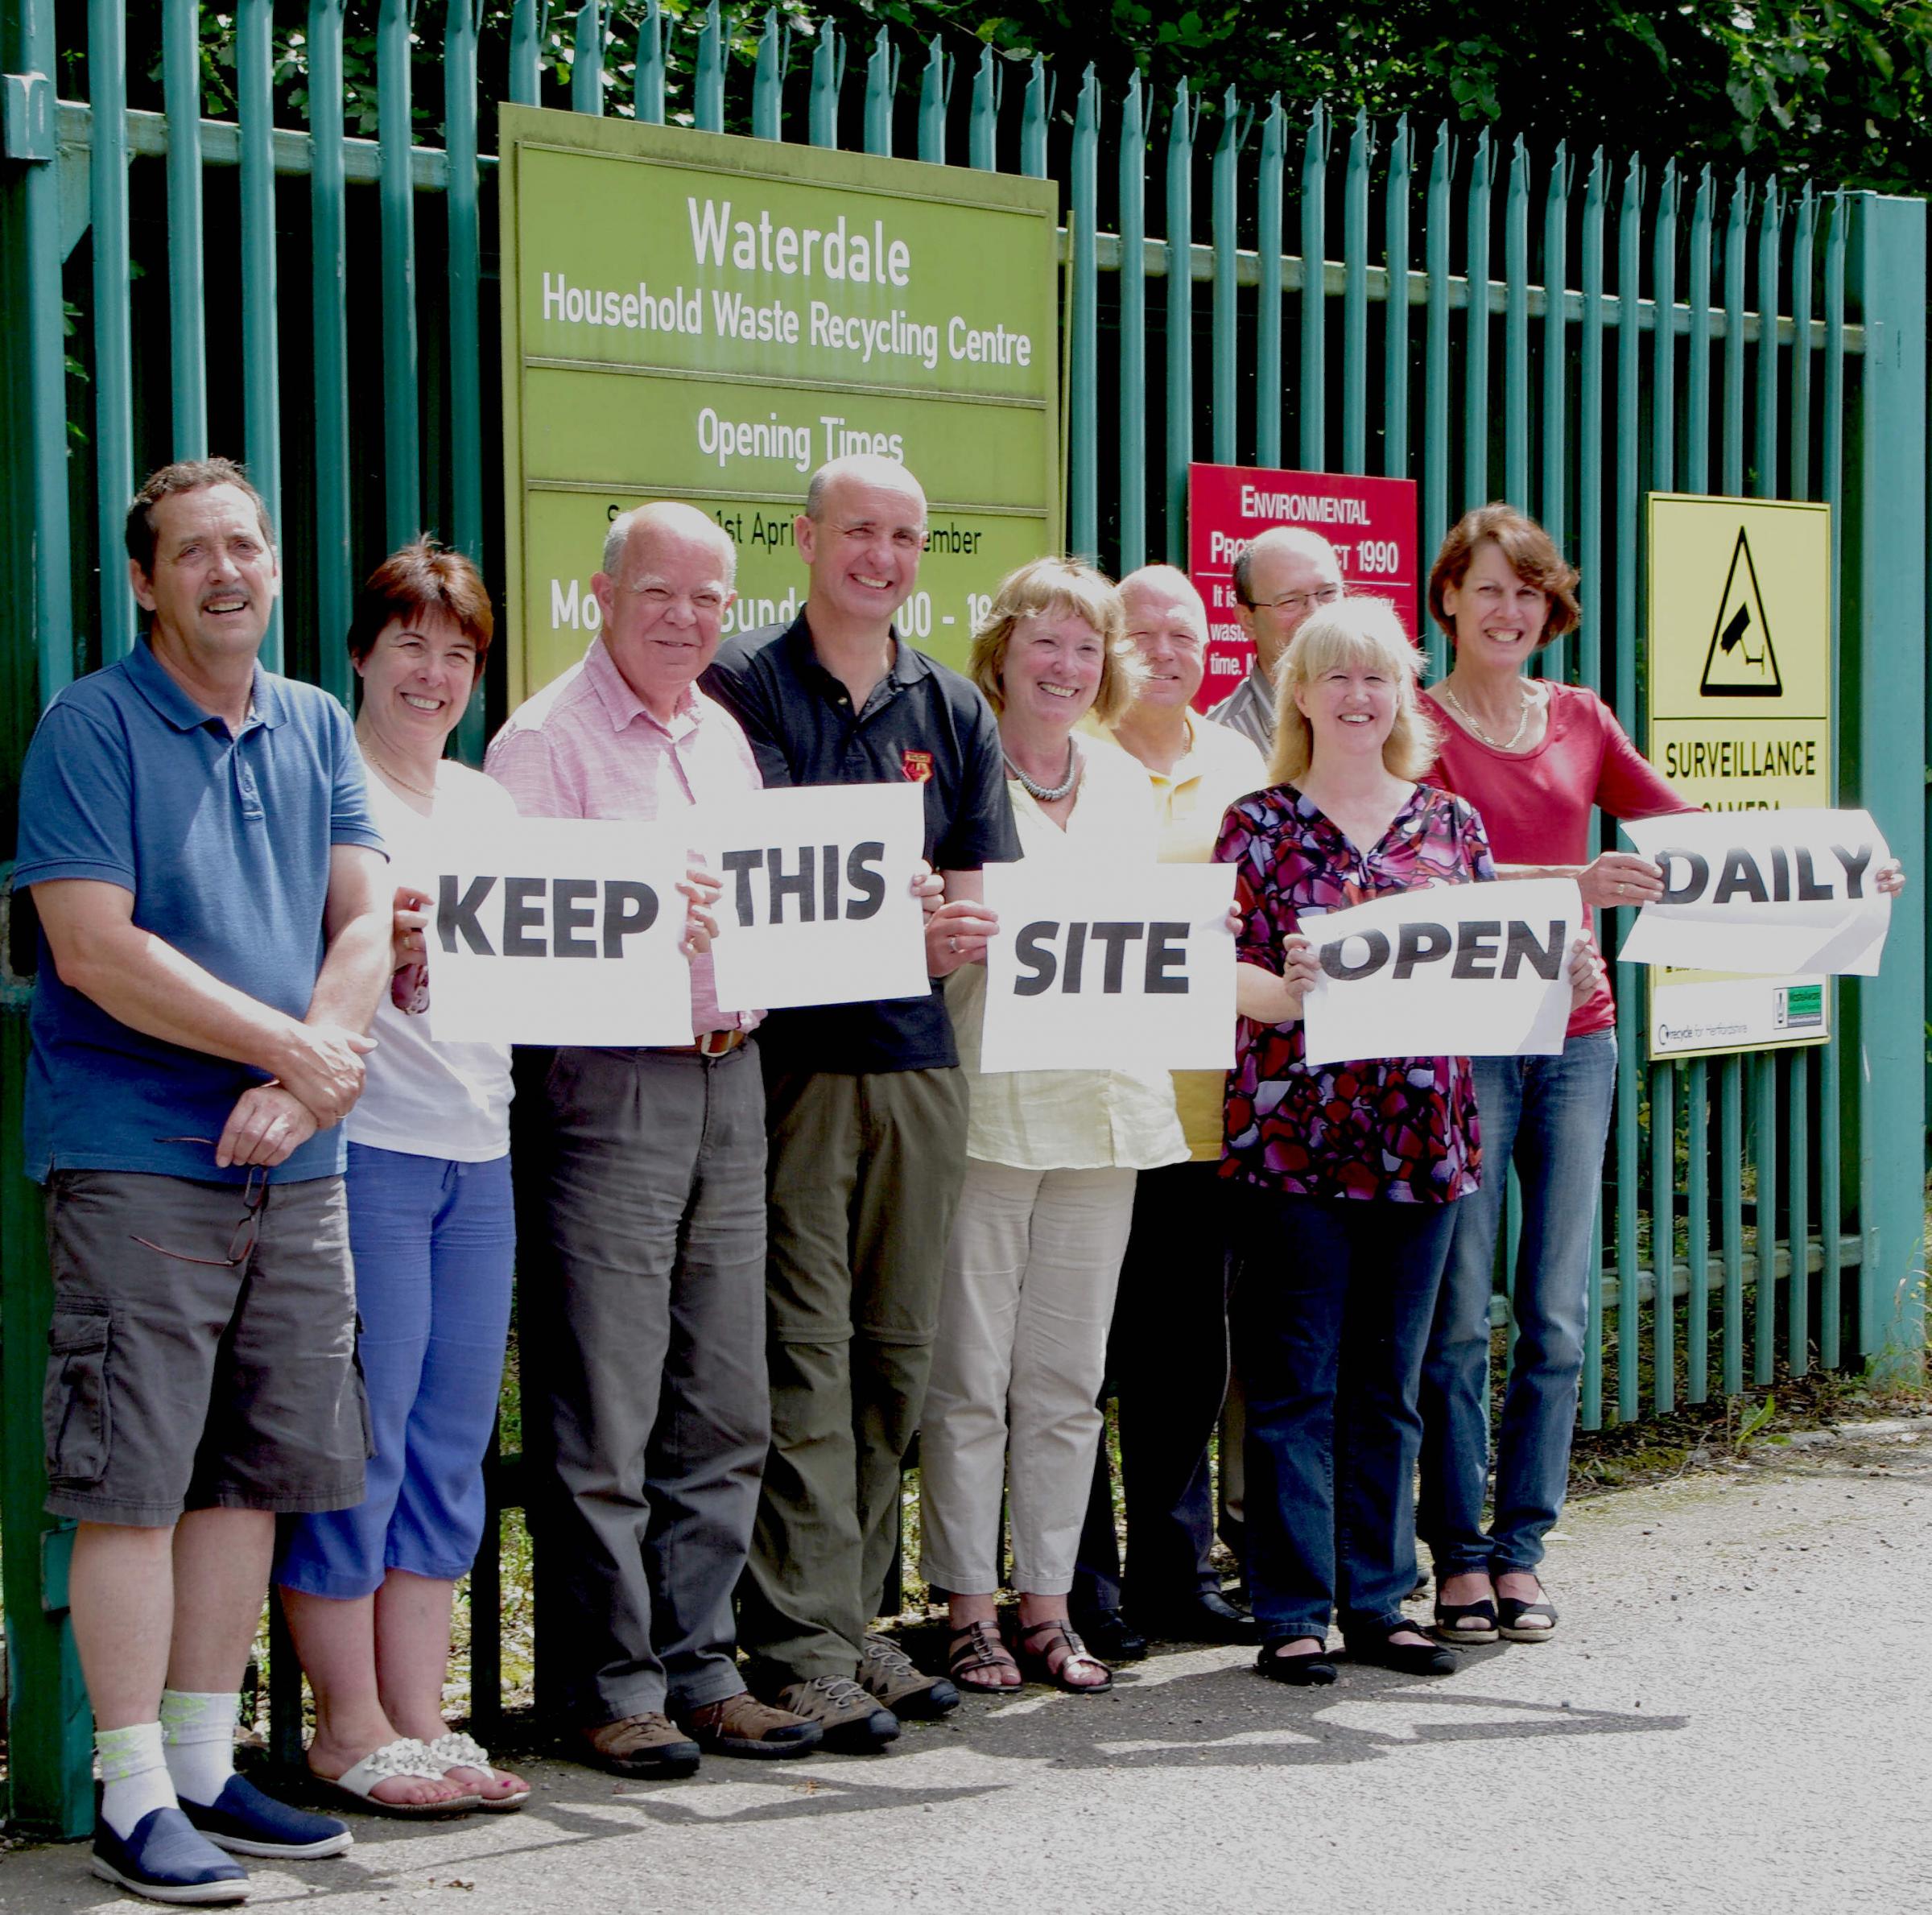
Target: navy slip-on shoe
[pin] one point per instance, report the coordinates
(164, 1859)
(244, 1822)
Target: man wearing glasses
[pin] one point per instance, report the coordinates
(215, 930)
(1280, 579)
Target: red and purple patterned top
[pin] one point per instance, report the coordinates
(1403, 1130)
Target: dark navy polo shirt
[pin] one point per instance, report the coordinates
(224, 842)
(921, 722)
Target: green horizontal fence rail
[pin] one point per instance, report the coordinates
(1649, 330)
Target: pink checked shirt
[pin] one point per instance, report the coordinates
(585, 747)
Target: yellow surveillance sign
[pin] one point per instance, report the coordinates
(1739, 677)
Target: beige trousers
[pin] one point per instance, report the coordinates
(1028, 1293)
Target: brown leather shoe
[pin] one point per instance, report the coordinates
(641, 1745)
(741, 1725)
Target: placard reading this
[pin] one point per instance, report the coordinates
(817, 906)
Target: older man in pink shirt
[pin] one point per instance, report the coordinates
(644, 1344)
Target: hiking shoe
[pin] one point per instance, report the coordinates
(887, 1672)
(741, 1725)
(244, 1822)
(646, 1746)
(849, 1720)
(166, 1860)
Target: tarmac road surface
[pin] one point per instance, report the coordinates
(1737, 1715)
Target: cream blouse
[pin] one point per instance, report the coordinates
(1122, 1119)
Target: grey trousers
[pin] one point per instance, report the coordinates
(652, 1391)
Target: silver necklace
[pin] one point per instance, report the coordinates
(1531, 702)
(1047, 795)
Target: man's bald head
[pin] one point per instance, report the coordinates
(856, 470)
(1166, 586)
(632, 535)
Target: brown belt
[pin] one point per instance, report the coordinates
(714, 1043)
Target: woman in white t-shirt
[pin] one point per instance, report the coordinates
(368, 1591)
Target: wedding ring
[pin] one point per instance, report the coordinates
(952, 944)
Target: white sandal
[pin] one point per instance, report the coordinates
(456, 1749)
(404, 1756)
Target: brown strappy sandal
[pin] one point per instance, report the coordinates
(1035, 1659)
(977, 1645)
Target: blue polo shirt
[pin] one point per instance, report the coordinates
(225, 841)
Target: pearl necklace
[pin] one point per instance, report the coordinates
(1047, 795)
(390, 773)
(1532, 702)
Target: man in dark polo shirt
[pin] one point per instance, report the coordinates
(866, 1108)
(215, 922)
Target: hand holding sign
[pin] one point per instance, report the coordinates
(1123, 961)
(1764, 891)
(1451, 970)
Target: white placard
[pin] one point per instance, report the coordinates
(559, 931)
(1445, 971)
(1096, 970)
(818, 905)
(1763, 891)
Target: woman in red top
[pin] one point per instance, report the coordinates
(1535, 759)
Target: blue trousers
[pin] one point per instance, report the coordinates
(434, 1242)
(1550, 1116)
(1331, 1316)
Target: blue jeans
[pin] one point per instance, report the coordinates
(1550, 1116)
(434, 1242)
(1334, 1306)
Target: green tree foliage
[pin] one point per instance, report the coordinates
(1836, 91)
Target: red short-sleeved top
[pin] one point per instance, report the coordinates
(1536, 805)
(1403, 1130)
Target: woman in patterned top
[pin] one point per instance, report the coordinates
(1349, 1174)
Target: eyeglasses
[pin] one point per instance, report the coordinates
(1296, 603)
(242, 1245)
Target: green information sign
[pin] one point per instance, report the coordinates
(695, 316)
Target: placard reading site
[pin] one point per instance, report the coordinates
(1739, 677)
(559, 931)
(817, 906)
(1120, 962)
(699, 317)
(1450, 970)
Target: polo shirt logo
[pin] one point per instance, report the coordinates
(917, 765)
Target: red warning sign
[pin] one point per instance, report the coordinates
(1370, 523)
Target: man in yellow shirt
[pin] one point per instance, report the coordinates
(1167, 1354)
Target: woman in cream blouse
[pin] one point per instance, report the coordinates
(1051, 1159)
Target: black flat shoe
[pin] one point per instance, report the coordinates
(1472, 1623)
(1311, 1671)
(1208, 1617)
(1373, 1644)
(1512, 1614)
(1111, 1636)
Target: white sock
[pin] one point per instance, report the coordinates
(199, 1733)
(134, 1775)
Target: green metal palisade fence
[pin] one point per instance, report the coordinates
(1650, 331)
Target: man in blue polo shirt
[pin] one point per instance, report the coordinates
(866, 1109)
(215, 930)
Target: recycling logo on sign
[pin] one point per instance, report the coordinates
(1742, 662)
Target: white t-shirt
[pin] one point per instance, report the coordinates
(425, 1099)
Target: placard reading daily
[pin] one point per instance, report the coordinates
(1123, 962)
(817, 906)
(1452, 971)
(1763, 891)
(559, 931)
